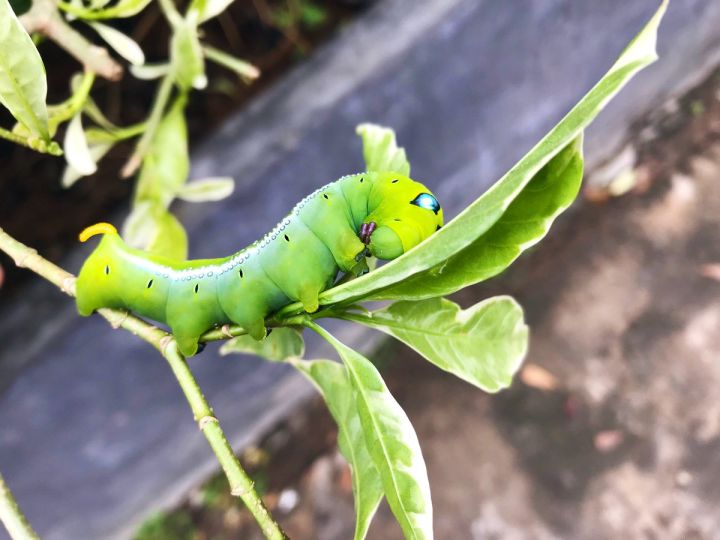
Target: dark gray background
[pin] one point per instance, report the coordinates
(95, 433)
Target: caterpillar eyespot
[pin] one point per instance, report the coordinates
(325, 237)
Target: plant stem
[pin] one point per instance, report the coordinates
(12, 517)
(240, 483)
(44, 18)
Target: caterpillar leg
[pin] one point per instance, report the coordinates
(257, 329)
(187, 343)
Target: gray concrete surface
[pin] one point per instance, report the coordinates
(95, 433)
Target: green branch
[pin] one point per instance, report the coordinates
(240, 483)
(12, 517)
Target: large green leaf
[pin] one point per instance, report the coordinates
(484, 344)
(392, 442)
(477, 218)
(23, 85)
(332, 380)
(381, 151)
(522, 225)
(280, 344)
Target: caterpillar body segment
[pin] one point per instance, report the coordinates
(327, 231)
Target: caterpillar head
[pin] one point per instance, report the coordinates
(403, 213)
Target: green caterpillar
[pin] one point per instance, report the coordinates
(330, 230)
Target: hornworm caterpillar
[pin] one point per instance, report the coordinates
(329, 230)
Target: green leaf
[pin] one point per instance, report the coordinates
(76, 148)
(170, 238)
(122, 44)
(123, 9)
(152, 228)
(525, 222)
(244, 69)
(23, 85)
(213, 8)
(166, 165)
(392, 443)
(477, 218)
(187, 57)
(333, 383)
(279, 344)
(380, 150)
(148, 72)
(313, 16)
(483, 345)
(207, 189)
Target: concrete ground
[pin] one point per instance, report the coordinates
(612, 429)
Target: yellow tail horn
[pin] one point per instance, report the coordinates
(98, 228)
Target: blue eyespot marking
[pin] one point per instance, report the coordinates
(427, 201)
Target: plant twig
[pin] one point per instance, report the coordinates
(12, 517)
(240, 483)
(44, 18)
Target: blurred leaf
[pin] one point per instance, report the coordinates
(479, 217)
(122, 44)
(332, 381)
(152, 228)
(23, 85)
(166, 165)
(123, 9)
(392, 443)
(312, 16)
(186, 56)
(76, 148)
(148, 72)
(246, 70)
(279, 344)
(381, 151)
(170, 238)
(97, 152)
(213, 8)
(483, 345)
(207, 189)
(525, 222)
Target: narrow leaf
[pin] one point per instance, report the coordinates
(186, 55)
(477, 218)
(392, 443)
(526, 221)
(72, 175)
(166, 165)
(332, 381)
(122, 44)
(152, 228)
(170, 238)
(381, 151)
(484, 345)
(76, 148)
(213, 8)
(245, 69)
(207, 189)
(148, 72)
(279, 344)
(23, 85)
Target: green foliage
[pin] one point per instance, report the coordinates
(381, 151)
(484, 344)
(332, 381)
(23, 86)
(280, 344)
(391, 441)
(178, 526)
